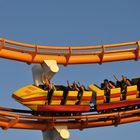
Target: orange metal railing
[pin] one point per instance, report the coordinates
(22, 121)
(69, 55)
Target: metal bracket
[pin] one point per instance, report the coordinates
(2, 44)
(137, 50)
(12, 123)
(102, 54)
(68, 56)
(117, 120)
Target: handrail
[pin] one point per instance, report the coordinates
(67, 48)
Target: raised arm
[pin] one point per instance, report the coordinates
(116, 78)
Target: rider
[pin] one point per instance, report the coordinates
(47, 85)
(107, 86)
(123, 84)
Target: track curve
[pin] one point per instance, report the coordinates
(69, 55)
(8, 119)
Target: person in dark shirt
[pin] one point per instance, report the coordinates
(107, 86)
(123, 85)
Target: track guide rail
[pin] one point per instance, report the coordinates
(69, 55)
(8, 119)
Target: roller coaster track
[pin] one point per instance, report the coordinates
(8, 119)
(69, 55)
(19, 119)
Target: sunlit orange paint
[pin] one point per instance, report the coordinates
(20, 121)
(69, 55)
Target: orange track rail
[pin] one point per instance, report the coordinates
(22, 121)
(69, 55)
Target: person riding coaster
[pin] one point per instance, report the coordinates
(107, 86)
(123, 84)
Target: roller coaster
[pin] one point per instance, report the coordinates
(117, 111)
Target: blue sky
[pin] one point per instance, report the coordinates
(68, 22)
